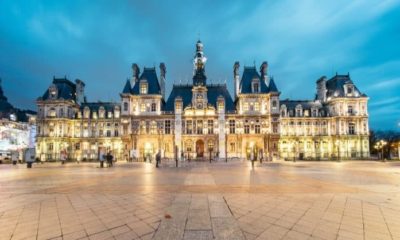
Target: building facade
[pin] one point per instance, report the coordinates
(201, 120)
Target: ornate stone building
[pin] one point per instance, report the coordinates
(202, 120)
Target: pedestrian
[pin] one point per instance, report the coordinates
(109, 159)
(29, 161)
(63, 157)
(158, 158)
(101, 158)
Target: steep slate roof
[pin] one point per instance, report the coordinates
(305, 105)
(66, 89)
(94, 106)
(250, 73)
(150, 75)
(128, 87)
(272, 86)
(336, 85)
(213, 92)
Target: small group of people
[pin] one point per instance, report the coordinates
(109, 158)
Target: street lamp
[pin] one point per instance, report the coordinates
(338, 149)
(380, 145)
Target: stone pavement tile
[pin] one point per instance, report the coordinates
(141, 228)
(74, 235)
(105, 235)
(249, 236)
(376, 235)
(119, 230)
(226, 228)
(294, 235)
(219, 209)
(174, 226)
(198, 235)
(127, 236)
(350, 235)
(273, 233)
(198, 219)
(255, 229)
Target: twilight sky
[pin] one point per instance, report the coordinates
(97, 41)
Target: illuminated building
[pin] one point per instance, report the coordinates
(202, 120)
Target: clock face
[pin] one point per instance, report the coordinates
(199, 105)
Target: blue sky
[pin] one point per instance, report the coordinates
(97, 41)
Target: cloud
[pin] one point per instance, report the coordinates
(97, 42)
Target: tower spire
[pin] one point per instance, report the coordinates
(199, 77)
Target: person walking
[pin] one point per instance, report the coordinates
(63, 157)
(101, 158)
(158, 158)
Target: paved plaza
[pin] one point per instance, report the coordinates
(279, 200)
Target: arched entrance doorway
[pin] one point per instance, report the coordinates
(200, 148)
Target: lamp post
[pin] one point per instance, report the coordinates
(380, 145)
(338, 149)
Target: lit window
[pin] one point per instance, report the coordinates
(210, 125)
(256, 106)
(246, 107)
(246, 129)
(167, 126)
(143, 88)
(143, 107)
(232, 126)
(232, 147)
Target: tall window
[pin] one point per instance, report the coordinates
(256, 106)
(108, 133)
(232, 126)
(257, 129)
(143, 107)
(246, 106)
(256, 87)
(274, 104)
(246, 128)
(352, 129)
(153, 107)
(61, 112)
(200, 127)
(232, 147)
(210, 126)
(189, 127)
(125, 106)
(143, 88)
(350, 109)
(167, 126)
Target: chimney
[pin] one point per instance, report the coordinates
(236, 80)
(135, 74)
(163, 71)
(321, 89)
(80, 91)
(264, 72)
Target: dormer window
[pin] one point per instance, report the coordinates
(143, 87)
(349, 89)
(255, 86)
(53, 92)
(86, 112)
(116, 112)
(101, 112)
